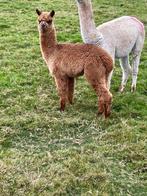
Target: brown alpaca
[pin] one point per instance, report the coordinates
(67, 61)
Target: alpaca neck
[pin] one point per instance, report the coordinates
(89, 32)
(47, 43)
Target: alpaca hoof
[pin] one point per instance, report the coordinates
(121, 89)
(133, 89)
(62, 109)
(71, 102)
(107, 115)
(99, 113)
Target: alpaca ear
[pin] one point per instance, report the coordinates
(38, 12)
(52, 13)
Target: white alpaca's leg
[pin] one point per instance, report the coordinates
(136, 53)
(126, 69)
(135, 67)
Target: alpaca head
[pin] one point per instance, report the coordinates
(45, 20)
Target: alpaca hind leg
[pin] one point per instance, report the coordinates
(101, 103)
(135, 68)
(62, 87)
(136, 53)
(105, 101)
(97, 78)
(126, 69)
(70, 90)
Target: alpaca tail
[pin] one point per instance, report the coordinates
(108, 63)
(106, 60)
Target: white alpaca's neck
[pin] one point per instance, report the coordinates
(47, 43)
(87, 25)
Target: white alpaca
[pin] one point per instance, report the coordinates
(119, 37)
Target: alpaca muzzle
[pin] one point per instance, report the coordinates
(43, 26)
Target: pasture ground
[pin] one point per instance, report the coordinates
(45, 152)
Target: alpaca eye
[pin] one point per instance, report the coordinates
(49, 21)
(39, 21)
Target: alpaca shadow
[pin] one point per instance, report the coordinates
(85, 107)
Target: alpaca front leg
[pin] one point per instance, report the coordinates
(70, 90)
(126, 69)
(62, 103)
(62, 87)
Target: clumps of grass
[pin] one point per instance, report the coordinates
(45, 152)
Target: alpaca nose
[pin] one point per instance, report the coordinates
(43, 24)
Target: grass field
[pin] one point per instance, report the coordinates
(45, 152)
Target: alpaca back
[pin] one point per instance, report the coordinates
(121, 34)
(71, 58)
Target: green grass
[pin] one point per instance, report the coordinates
(45, 152)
